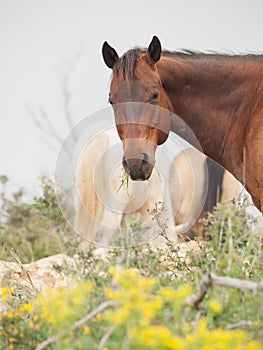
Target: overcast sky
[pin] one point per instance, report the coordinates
(39, 40)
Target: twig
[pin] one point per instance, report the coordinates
(197, 319)
(23, 269)
(102, 307)
(240, 324)
(51, 131)
(220, 239)
(43, 123)
(106, 337)
(214, 280)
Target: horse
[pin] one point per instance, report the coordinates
(102, 200)
(218, 96)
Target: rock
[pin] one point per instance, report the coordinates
(50, 272)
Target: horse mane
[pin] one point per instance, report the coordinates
(187, 54)
(127, 63)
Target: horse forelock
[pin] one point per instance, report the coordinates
(127, 63)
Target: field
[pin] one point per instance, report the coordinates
(134, 298)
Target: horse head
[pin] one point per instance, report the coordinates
(141, 105)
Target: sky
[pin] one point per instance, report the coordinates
(49, 45)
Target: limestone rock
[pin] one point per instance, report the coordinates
(47, 272)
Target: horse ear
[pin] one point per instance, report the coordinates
(154, 50)
(110, 56)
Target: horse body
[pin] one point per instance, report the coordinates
(225, 114)
(220, 97)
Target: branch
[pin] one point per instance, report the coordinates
(196, 298)
(235, 283)
(106, 337)
(54, 338)
(240, 324)
(213, 280)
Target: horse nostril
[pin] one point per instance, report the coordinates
(145, 159)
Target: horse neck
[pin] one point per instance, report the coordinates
(210, 94)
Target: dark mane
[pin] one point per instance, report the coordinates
(186, 54)
(127, 63)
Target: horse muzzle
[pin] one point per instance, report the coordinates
(138, 168)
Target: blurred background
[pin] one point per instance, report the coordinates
(51, 68)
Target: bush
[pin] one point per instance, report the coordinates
(32, 230)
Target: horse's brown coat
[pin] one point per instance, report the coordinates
(220, 97)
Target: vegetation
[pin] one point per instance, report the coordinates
(133, 298)
(31, 230)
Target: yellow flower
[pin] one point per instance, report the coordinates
(5, 292)
(27, 308)
(219, 338)
(10, 314)
(119, 316)
(65, 303)
(214, 306)
(183, 291)
(112, 270)
(148, 310)
(156, 337)
(98, 317)
(110, 294)
(47, 316)
(86, 330)
(254, 345)
(167, 293)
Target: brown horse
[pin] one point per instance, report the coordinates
(220, 97)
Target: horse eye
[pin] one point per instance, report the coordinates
(155, 96)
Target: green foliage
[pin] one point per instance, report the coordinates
(32, 230)
(148, 287)
(232, 248)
